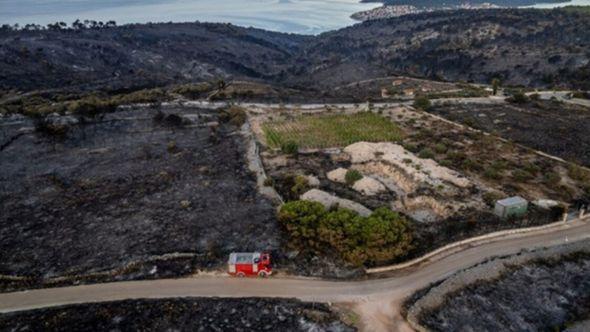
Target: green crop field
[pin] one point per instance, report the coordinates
(334, 130)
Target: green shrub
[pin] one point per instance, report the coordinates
(551, 178)
(422, 103)
(493, 173)
(578, 173)
(440, 148)
(521, 175)
(377, 239)
(426, 153)
(446, 163)
(470, 164)
(352, 176)
(290, 147)
(300, 186)
(532, 168)
(410, 147)
(491, 197)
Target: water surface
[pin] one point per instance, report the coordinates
(299, 16)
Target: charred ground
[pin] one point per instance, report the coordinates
(192, 314)
(521, 47)
(118, 196)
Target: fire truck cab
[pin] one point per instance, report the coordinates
(243, 264)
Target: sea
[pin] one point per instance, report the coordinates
(294, 16)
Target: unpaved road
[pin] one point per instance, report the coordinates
(376, 300)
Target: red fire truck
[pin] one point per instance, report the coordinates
(242, 264)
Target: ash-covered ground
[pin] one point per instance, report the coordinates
(544, 295)
(190, 314)
(560, 129)
(116, 193)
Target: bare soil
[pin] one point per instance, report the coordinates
(119, 196)
(189, 314)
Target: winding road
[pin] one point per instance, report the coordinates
(375, 300)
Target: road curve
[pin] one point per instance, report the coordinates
(393, 288)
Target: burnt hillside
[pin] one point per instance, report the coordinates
(141, 55)
(522, 47)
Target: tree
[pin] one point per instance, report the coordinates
(495, 85)
(377, 239)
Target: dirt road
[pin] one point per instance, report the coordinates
(376, 300)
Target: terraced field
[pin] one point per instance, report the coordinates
(332, 130)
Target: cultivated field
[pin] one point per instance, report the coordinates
(331, 130)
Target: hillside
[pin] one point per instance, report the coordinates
(522, 47)
(140, 55)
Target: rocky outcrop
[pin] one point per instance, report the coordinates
(337, 175)
(369, 186)
(329, 200)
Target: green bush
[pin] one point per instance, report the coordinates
(493, 173)
(470, 164)
(422, 103)
(300, 186)
(552, 178)
(440, 148)
(532, 168)
(578, 173)
(377, 239)
(352, 176)
(491, 197)
(521, 175)
(426, 153)
(290, 147)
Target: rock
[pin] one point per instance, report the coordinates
(369, 186)
(313, 181)
(338, 175)
(329, 200)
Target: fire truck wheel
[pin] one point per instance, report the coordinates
(262, 274)
(241, 274)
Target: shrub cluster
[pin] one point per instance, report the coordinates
(352, 176)
(422, 103)
(235, 115)
(377, 239)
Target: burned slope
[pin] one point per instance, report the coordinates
(521, 47)
(560, 129)
(141, 55)
(120, 196)
(547, 294)
(192, 314)
(527, 47)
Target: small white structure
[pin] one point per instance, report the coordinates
(511, 207)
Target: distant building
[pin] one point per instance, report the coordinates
(511, 207)
(397, 82)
